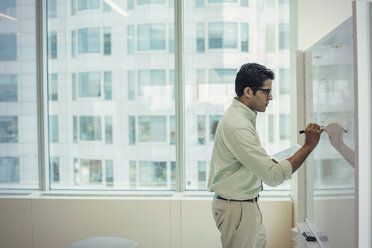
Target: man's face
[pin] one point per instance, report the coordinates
(261, 99)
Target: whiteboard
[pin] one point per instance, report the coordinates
(330, 99)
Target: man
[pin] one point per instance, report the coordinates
(239, 163)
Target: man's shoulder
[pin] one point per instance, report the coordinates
(233, 120)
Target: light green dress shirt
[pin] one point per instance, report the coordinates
(239, 163)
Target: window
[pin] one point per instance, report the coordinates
(213, 123)
(284, 81)
(130, 37)
(199, 3)
(271, 128)
(8, 44)
(89, 40)
(108, 85)
(202, 174)
(107, 41)
(8, 129)
(222, 35)
(52, 45)
(152, 128)
(244, 37)
(201, 129)
(285, 124)
(200, 38)
(172, 124)
(109, 173)
(108, 129)
(130, 4)
(73, 44)
(151, 37)
(132, 129)
(270, 38)
(90, 128)
(54, 166)
(89, 84)
(9, 170)
(53, 129)
(8, 7)
(88, 4)
(8, 88)
(53, 87)
(152, 173)
(244, 3)
(88, 171)
(171, 38)
(144, 2)
(151, 83)
(283, 35)
(52, 8)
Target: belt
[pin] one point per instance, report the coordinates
(229, 200)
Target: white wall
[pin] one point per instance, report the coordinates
(153, 223)
(316, 18)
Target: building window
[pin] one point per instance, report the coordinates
(8, 88)
(74, 87)
(284, 81)
(8, 7)
(270, 38)
(89, 84)
(285, 124)
(172, 124)
(109, 173)
(90, 128)
(202, 174)
(244, 3)
(133, 173)
(283, 35)
(213, 123)
(88, 171)
(88, 4)
(131, 85)
(151, 37)
(151, 83)
(106, 7)
(52, 45)
(108, 85)
(9, 170)
(222, 35)
(146, 2)
(53, 87)
(244, 37)
(130, 4)
(200, 38)
(130, 37)
(171, 83)
(152, 128)
(53, 129)
(171, 38)
(199, 3)
(152, 173)
(132, 130)
(52, 8)
(73, 44)
(75, 128)
(201, 129)
(8, 44)
(108, 129)
(89, 40)
(107, 41)
(54, 166)
(8, 129)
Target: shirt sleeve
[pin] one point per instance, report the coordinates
(244, 146)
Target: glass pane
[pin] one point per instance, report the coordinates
(18, 89)
(113, 91)
(218, 41)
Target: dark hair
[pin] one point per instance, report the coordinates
(251, 75)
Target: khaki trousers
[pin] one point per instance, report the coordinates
(240, 224)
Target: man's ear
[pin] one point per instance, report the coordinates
(248, 92)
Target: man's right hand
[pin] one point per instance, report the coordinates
(312, 132)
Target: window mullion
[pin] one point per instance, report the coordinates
(179, 97)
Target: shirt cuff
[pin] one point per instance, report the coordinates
(287, 168)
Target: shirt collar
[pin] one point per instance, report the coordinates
(247, 112)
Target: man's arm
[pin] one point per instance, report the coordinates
(312, 133)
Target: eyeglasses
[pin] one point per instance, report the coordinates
(267, 91)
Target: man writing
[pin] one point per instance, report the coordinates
(239, 164)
